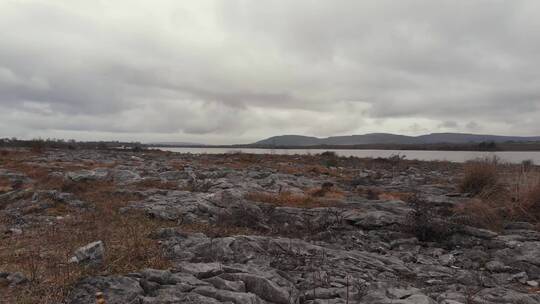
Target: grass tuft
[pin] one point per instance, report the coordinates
(480, 175)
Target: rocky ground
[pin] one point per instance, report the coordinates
(156, 227)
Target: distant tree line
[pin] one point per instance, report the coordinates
(53, 143)
(487, 146)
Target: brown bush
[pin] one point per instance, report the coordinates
(531, 205)
(516, 198)
(480, 176)
(37, 146)
(482, 213)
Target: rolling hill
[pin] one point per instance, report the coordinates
(387, 138)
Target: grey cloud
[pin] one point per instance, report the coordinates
(240, 70)
(448, 124)
(473, 126)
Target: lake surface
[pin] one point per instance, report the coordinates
(453, 156)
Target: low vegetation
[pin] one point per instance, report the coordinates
(43, 253)
(481, 175)
(319, 197)
(423, 222)
(500, 193)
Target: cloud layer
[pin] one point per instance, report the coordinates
(237, 71)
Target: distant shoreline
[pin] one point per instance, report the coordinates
(498, 147)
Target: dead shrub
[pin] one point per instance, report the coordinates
(330, 159)
(480, 175)
(514, 198)
(531, 204)
(481, 213)
(527, 165)
(423, 222)
(37, 146)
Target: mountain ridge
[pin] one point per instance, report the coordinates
(389, 138)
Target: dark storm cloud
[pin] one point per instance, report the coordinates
(239, 70)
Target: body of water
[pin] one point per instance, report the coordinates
(453, 156)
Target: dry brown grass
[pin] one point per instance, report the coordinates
(403, 196)
(312, 198)
(375, 193)
(306, 170)
(5, 185)
(22, 162)
(178, 164)
(42, 253)
(503, 193)
(531, 202)
(306, 165)
(480, 176)
(154, 184)
(482, 213)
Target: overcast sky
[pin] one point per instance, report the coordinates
(238, 71)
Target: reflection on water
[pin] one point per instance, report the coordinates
(453, 156)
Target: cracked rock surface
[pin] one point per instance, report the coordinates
(350, 248)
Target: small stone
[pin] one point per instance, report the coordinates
(15, 231)
(447, 259)
(532, 283)
(496, 266)
(93, 254)
(158, 276)
(16, 278)
(478, 232)
(520, 277)
(402, 293)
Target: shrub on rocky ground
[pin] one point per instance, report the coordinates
(532, 202)
(481, 213)
(480, 175)
(424, 223)
(37, 146)
(507, 194)
(330, 158)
